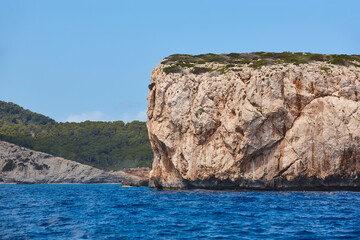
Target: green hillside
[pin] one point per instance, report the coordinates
(106, 145)
(12, 113)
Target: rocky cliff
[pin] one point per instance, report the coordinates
(22, 165)
(259, 121)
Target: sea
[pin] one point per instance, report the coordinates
(106, 211)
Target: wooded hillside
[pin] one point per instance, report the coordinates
(106, 145)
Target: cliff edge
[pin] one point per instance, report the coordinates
(256, 120)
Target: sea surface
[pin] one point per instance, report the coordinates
(115, 212)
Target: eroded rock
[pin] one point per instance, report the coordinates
(282, 126)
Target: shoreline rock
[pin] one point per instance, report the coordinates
(19, 165)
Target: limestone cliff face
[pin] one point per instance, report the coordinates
(276, 127)
(22, 165)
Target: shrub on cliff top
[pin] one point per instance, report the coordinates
(199, 70)
(255, 59)
(325, 69)
(172, 69)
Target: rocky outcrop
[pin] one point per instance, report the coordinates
(22, 165)
(282, 126)
(136, 177)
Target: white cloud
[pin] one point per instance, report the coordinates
(129, 117)
(141, 116)
(100, 116)
(92, 116)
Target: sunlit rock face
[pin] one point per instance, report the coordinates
(282, 126)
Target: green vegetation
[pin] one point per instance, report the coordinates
(325, 69)
(10, 112)
(255, 60)
(105, 145)
(198, 70)
(201, 111)
(224, 69)
(9, 166)
(151, 85)
(172, 69)
(40, 166)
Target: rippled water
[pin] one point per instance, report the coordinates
(113, 212)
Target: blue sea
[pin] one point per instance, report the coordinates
(115, 212)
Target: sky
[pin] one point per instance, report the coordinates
(76, 60)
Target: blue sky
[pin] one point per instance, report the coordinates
(78, 60)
